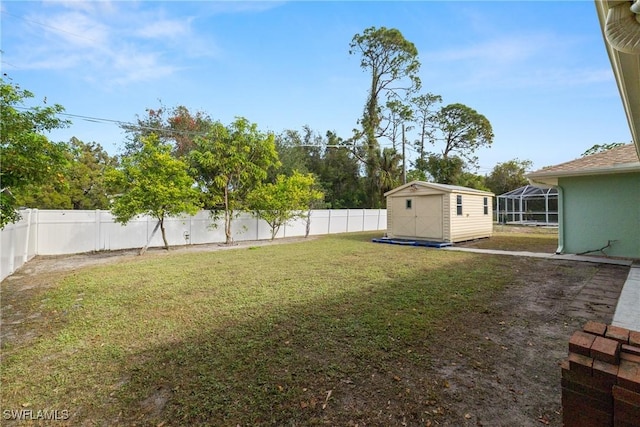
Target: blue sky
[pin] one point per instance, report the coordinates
(537, 70)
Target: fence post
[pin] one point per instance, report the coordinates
(347, 225)
(12, 250)
(96, 245)
(25, 256)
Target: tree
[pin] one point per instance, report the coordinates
(389, 175)
(153, 183)
(28, 157)
(229, 163)
(290, 197)
(444, 170)
(599, 148)
(508, 176)
(339, 175)
(176, 125)
(424, 116)
(393, 63)
(463, 131)
(80, 184)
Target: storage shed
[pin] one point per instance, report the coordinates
(438, 212)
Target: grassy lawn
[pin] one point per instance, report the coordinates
(519, 238)
(307, 333)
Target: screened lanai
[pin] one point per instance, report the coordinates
(528, 205)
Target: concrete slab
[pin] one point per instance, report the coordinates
(567, 257)
(627, 314)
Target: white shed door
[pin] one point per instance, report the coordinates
(429, 217)
(421, 217)
(404, 216)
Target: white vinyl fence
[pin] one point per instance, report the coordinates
(60, 232)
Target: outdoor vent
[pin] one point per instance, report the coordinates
(622, 29)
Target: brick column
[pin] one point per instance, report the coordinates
(601, 378)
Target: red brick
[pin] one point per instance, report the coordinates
(629, 376)
(595, 328)
(630, 357)
(606, 350)
(578, 411)
(580, 342)
(631, 349)
(605, 375)
(600, 383)
(627, 396)
(580, 363)
(634, 338)
(601, 400)
(626, 406)
(617, 333)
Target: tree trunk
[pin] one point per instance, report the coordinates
(227, 218)
(153, 233)
(164, 236)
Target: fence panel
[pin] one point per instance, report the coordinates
(338, 221)
(17, 243)
(59, 232)
(66, 231)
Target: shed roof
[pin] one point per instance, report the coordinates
(622, 159)
(445, 188)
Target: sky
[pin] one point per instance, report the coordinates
(538, 71)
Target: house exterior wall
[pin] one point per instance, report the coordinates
(473, 223)
(597, 209)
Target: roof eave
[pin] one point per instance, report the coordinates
(551, 178)
(626, 69)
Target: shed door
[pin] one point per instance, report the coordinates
(404, 216)
(422, 217)
(429, 217)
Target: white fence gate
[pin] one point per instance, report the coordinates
(60, 232)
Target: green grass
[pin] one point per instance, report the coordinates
(519, 238)
(256, 336)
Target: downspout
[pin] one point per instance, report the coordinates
(622, 27)
(560, 220)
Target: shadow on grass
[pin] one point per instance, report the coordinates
(354, 357)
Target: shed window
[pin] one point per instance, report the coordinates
(459, 204)
(486, 206)
(408, 203)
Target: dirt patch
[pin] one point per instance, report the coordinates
(501, 368)
(497, 367)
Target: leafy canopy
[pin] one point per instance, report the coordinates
(229, 162)
(508, 176)
(286, 199)
(28, 157)
(153, 182)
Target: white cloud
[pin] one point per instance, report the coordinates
(517, 61)
(165, 28)
(107, 42)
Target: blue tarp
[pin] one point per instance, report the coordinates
(407, 242)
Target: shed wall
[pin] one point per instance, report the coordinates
(597, 209)
(473, 223)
